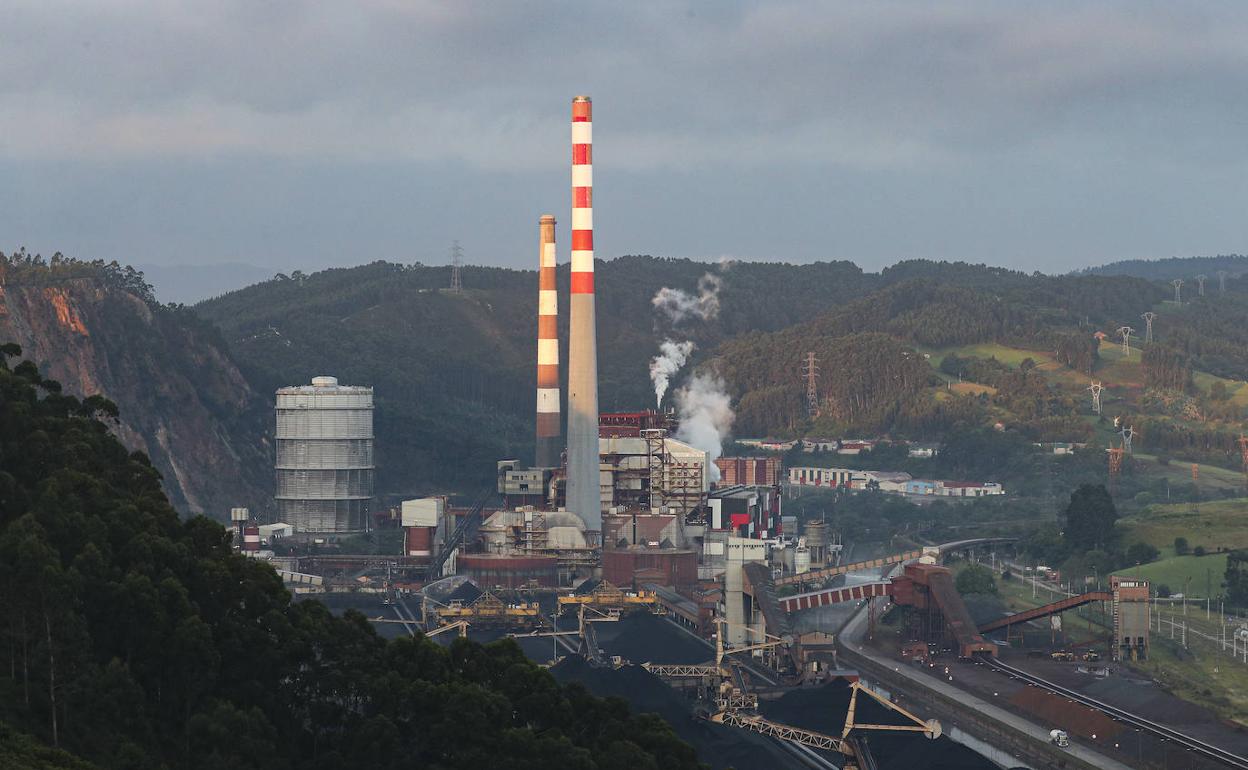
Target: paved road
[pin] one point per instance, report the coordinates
(851, 635)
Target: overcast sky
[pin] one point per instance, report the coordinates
(291, 134)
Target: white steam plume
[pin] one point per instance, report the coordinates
(705, 416)
(672, 355)
(680, 305)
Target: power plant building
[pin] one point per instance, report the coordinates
(324, 456)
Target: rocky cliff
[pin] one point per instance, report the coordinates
(182, 401)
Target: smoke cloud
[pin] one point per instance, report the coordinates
(705, 416)
(672, 355)
(679, 305)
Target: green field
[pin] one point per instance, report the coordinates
(1216, 524)
(1199, 574)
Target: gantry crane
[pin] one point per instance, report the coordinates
(606, 595)
(485, 609)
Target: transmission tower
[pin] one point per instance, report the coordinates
(1096, 389)
(1148, 325)
(1222, 281)
(1177, 283)
(457, 262)
(810, 370)
(1127, 434)
(1125, 332)
(1200, 284)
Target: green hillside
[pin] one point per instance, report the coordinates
(1214, 525)
(1199, 574)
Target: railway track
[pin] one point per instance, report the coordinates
(1206, 750)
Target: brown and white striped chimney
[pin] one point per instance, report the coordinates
(549, 445)
(584, 497)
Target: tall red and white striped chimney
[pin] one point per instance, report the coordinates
(548, 431)
(584, 496)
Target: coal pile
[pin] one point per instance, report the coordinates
(823, 710)
(719, 746)
(645, 638)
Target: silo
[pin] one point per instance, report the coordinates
(817, 542)
(324, 456)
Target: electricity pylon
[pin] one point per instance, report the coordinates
(1125, 332)
(1096, 389)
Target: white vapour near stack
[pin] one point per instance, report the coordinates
(548, 432)
(584, 497)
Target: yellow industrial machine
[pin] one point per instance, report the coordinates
(606, 596)
(486, 609)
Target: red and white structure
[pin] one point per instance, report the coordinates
(584, 496)
(549, 446)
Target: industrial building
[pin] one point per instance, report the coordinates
(1131, 617)
(896, 482)
(631, 424)
(652, 472)
(755, 471)
(745, 511)
(324, 464)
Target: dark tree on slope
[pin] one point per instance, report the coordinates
(1236, 579)
(1166, 368)
(1089, 519)
(976, 579)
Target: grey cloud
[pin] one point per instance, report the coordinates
(756, 83)
(939, 129)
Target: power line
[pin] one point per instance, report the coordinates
(1125, 332)
(457, 261)
(810, 370)
(1096, 389)
(1148, 328)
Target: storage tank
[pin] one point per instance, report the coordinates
(418, 542)
(817, 538)
(801, 560)
(491, 570)
(324, 456)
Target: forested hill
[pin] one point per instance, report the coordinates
(135, 639)
(908, 351)
(455, 374)
(914, 350)
(96, 328)
(1186, 268)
